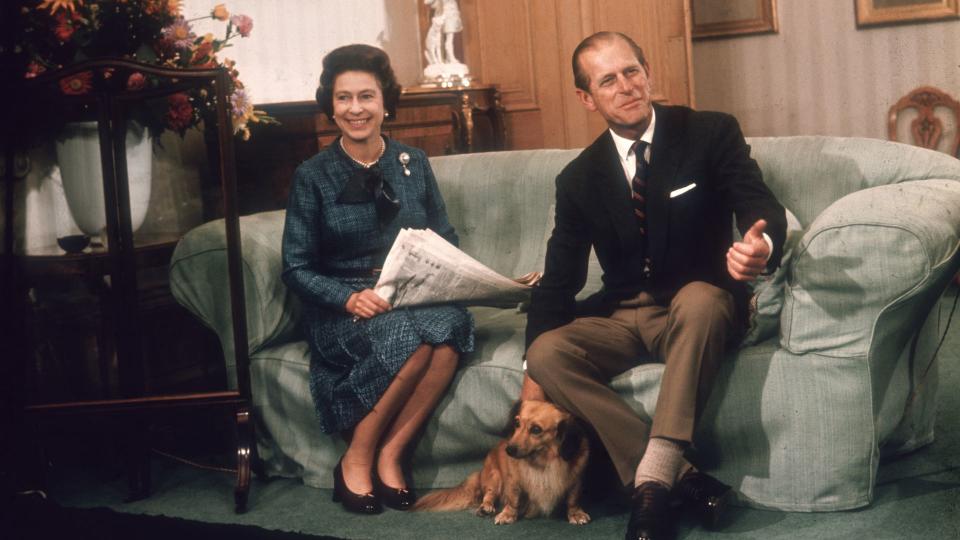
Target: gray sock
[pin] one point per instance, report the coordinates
(662, 462)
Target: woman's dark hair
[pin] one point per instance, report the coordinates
(358, 57)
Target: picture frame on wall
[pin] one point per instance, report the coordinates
(712, 19)
(885, 12)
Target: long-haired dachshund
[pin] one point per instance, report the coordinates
(538, 466)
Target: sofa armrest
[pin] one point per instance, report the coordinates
(199, 281)
(869, 263)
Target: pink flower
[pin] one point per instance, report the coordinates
(179, 112)
(77, 84)
(33, 69)
(180, 33)
(240, 106)
(243, 23)
(136, 81)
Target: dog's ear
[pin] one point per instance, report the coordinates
(511, 425)
(570, 433)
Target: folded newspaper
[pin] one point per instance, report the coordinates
(423, 268)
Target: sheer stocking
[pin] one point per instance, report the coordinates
(426, 395)
(359, 458)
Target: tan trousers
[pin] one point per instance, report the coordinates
(574, 364)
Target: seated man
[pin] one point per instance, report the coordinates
(654, 196)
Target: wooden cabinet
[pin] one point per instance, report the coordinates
(437, 120)
(123, 295)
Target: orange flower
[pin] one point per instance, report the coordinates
(173, 7)
(77, 84)
(54, 5)
(220, 12)
(202, 54)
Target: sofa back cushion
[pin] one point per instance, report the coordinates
(808, 173)
(501, 204)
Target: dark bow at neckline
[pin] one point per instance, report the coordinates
(369, 185)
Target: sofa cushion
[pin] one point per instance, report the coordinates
(767, 300)
(468, 421)
(863, 255)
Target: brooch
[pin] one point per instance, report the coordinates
(404, 160)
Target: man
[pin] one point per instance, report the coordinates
(654, 196)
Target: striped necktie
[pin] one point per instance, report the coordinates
(639, 186)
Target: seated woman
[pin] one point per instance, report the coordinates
(376, 373)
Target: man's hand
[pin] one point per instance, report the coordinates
(748, 259)
(531, 391)
(366, 304)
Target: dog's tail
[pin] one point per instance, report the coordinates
(461, 497)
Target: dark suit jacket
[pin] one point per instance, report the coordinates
(688, 235)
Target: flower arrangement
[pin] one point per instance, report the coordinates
(58, 33)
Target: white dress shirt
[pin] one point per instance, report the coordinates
(628, 158)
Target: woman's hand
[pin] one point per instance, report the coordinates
(366, 304)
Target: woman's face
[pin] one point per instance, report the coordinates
(358, 105)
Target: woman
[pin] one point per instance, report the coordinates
(376, 373)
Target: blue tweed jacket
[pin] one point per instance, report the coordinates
(323, 238)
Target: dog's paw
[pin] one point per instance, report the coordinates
(578, 517)
(505, 518)
(485, 509)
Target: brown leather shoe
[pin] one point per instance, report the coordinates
(706, 496)
(651, 517)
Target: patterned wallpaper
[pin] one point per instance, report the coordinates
(820, 74)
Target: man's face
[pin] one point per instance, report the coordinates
(619, 87)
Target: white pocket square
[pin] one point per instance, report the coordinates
(681, 191)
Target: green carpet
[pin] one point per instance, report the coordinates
(918, 496)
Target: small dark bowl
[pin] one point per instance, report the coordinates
(73, 243)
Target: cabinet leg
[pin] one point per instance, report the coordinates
(137, 456)
(244, 450)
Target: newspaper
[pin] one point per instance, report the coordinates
(423, 268)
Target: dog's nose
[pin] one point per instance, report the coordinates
(512, 451)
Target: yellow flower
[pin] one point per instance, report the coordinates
(54, 5)
(220, 12)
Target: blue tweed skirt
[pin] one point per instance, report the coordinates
(353, 363)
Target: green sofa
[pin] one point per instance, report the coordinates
(797, 422)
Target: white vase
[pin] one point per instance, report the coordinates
(78, 155)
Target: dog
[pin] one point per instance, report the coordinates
(536, 467)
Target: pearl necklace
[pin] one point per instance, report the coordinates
(365, 164)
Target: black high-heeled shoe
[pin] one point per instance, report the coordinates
(366, 503)
(396, 498)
